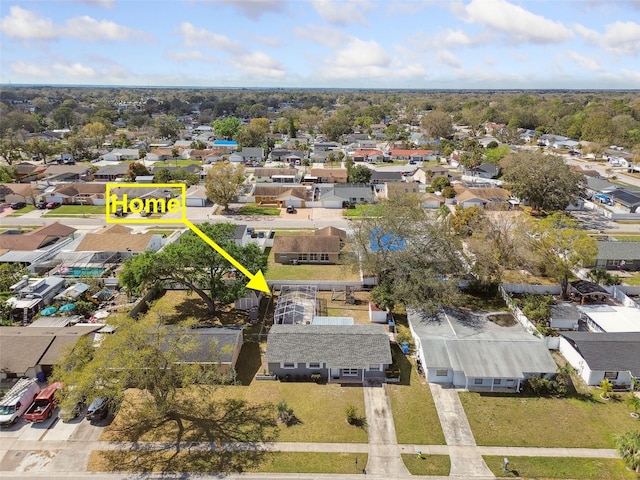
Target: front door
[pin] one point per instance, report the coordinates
(335, 373)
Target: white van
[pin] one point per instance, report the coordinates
(17, 400)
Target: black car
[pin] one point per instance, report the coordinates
(18, 205)
(41, 205)
(98, 409)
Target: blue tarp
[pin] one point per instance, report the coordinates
(379, 241)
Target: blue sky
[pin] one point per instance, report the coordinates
(322, 43)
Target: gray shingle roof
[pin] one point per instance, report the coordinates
(608, 351)
(354, 346)
(618, 251)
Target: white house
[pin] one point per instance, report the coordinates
(596, 356)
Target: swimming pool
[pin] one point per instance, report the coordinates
(80, 271)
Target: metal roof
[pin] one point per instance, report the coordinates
(319, 320)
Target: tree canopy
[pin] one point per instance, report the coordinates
(359, 174)
(227, 127)
(223, 183)
(192, 263)
(544, 182)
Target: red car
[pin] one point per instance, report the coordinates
(52, 205)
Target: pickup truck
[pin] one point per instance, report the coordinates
(44, 404)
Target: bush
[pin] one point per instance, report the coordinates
(542, 386)
(316, 377)
(285, 414)
(353, 418)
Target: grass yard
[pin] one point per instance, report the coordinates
(179, 305)
(73, 210)
(22, 211)
(580, 421)
(361, 211)
(263, 462)
(519, 276)
(627, 238)
(427, 464)
(414, 413)
(633, 279)
(278, 271)
(257, 210)
(560, 467)
(320, 410)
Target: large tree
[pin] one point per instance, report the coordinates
(192, 263)
(223, 183)
(227, 127)
(437, 124)
(414, 256)
(359, 174)
(171, 395)
(543, 181)
(561, 246)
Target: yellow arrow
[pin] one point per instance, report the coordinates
(256, 281)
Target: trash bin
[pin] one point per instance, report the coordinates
(41, 376)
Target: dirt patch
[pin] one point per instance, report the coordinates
(502, 319)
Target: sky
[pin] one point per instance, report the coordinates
(414, 44)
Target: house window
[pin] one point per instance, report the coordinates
(442, 373)
(302, 257)
(497, 381)
(324, 257)
(477, 381)
(349, 372)
(611, 375)
(288, 365)
(613, 263)
(313, 257)
(375, 367)
(314, 365)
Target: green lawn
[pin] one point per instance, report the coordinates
(414, 413)
(257, 210)
(581, 421)
(312, 462)
(633, 280)
(561, 467)
(22, 211)
(627, 238)
(162, 231)
(361, 211)
(278, 271)
(427, 464)
(73, 210)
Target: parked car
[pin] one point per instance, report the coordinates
(16, 401)
(52, 205)
(291, 209)
(98, 409)
(44, 404)
(41, 205)
(18, 205)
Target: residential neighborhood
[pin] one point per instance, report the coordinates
(460, 299)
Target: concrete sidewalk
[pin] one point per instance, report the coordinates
(466, 460)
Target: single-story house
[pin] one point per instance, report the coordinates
(599, 356)
(618, 255)
(110, 173)
(606, 318)
(329, 175)
(325, 146)
(26, 351)
(115, 240)
(37, 239)
(411, 155)
(33, 294)
(338, 195)
(197, 196)
(401, 189)
(321, 247)
(275, 175)
(28, 172)
(268, 193)
(623, 199)
(77, 193)
(491, 198)
(428, 173)
(470, 351)
(213, 345)
(381, 176)
(564, 316)
(19, 192)
(119, 154)
(484, 170)
(252, 154)
(340, 354)
(432, 201)
(370, 155)
(66, 173)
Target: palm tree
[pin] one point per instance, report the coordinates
(634, 402)
(629, 447)
(606, 387)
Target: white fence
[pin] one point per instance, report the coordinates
(521, 317)
(619, 292)
(321, 285)
(534, 289)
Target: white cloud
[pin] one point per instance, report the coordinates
(621, 38)
(66, 69)
(328, 36)
(27, 25)
(449, 59)
(90, 29)
(193, 36)
(359, 53)
(98, 3)
(584, 61)
(342, 12)
(269, 41)
(190, 56)
(449, 39)
(260, 65)
(518, 23)
(255, 8)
